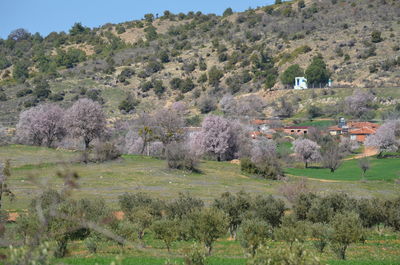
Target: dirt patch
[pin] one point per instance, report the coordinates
(368, 152)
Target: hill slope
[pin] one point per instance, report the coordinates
(185, 56)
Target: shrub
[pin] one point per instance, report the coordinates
(180, 157)
(314, 112)
(3, 96)
(128, 104)
(23, 92)
(376, 36)
(207, 104)
(214, 76)
(151, 33)
(153, 67)
(106, 151)
(125, 74)
(195, 256)
(176, 83)
(288, 255)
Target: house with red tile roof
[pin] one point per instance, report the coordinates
(357, 131)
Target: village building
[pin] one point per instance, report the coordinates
(300, 83)
(296, 130)
(357, 131)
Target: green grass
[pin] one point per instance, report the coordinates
(318, 123)
(361, 262)
(148, 261)
(381, 169)
(31, 165)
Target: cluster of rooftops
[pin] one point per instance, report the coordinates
(357, 131)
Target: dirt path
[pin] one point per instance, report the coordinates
(368, 151)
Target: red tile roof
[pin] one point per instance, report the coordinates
(365, 130)
(297, 127)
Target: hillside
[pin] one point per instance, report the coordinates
(192, 56)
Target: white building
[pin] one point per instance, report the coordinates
(300, 83)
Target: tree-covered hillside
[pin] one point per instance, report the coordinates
(200, 58)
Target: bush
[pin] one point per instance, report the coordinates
(288, 255)
(128, 104)
(376, 36)
(3, 96)
(314, 112)
(180, 157)
(270, 169)
(125, 74)
(106, 151)
(214, 76)
(23, 92)
(206, 104)
(195, 256)
(153, 67)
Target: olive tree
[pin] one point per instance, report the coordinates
(253, 233)
(207, 225)
(234, 206)
(347, 229)
(166, 230)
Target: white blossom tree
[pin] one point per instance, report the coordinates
(41, 125)
(386, 138)
(219, 137)
(307, 150)
(359, 103)
(85, 119)
(263, 150)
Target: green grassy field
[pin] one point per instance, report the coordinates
(386, 169)
(33, 165)
(380, 249)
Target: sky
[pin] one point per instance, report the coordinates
(45, 16)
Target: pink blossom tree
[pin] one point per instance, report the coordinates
(168, 126)
(307, 150)
(41, 125)
(263, 150)
(85, 119)
(386, 138)
(359, 103)
(219, 137)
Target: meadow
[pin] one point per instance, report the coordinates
(34, 168)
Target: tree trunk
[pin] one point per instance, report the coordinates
(209, 248)
(306, 164)
(87, 142)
